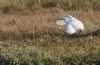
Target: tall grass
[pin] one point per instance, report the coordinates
(31, 37)
(21, 5)
(37, 40)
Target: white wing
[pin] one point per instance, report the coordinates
(70, 29)
(72, 17)
(80, 25)
(60, 22)
(77, 25)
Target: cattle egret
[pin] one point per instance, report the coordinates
(73, 25)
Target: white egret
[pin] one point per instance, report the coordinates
(73, 25)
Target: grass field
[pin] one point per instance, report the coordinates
(29, 34)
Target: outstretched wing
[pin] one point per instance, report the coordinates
(60, 22)
(76, 24)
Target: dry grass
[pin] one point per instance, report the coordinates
(36, 39)
(31, 37)
(7, 6)
(20, 24)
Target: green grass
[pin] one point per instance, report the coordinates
(51, 49)
(29, 35)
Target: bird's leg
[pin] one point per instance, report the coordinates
(81, 31)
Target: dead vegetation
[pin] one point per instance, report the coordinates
(29, 35)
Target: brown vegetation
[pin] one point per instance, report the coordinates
(29, 35)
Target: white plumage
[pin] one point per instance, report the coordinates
(72, 24)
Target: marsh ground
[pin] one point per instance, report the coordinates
(31, 37)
